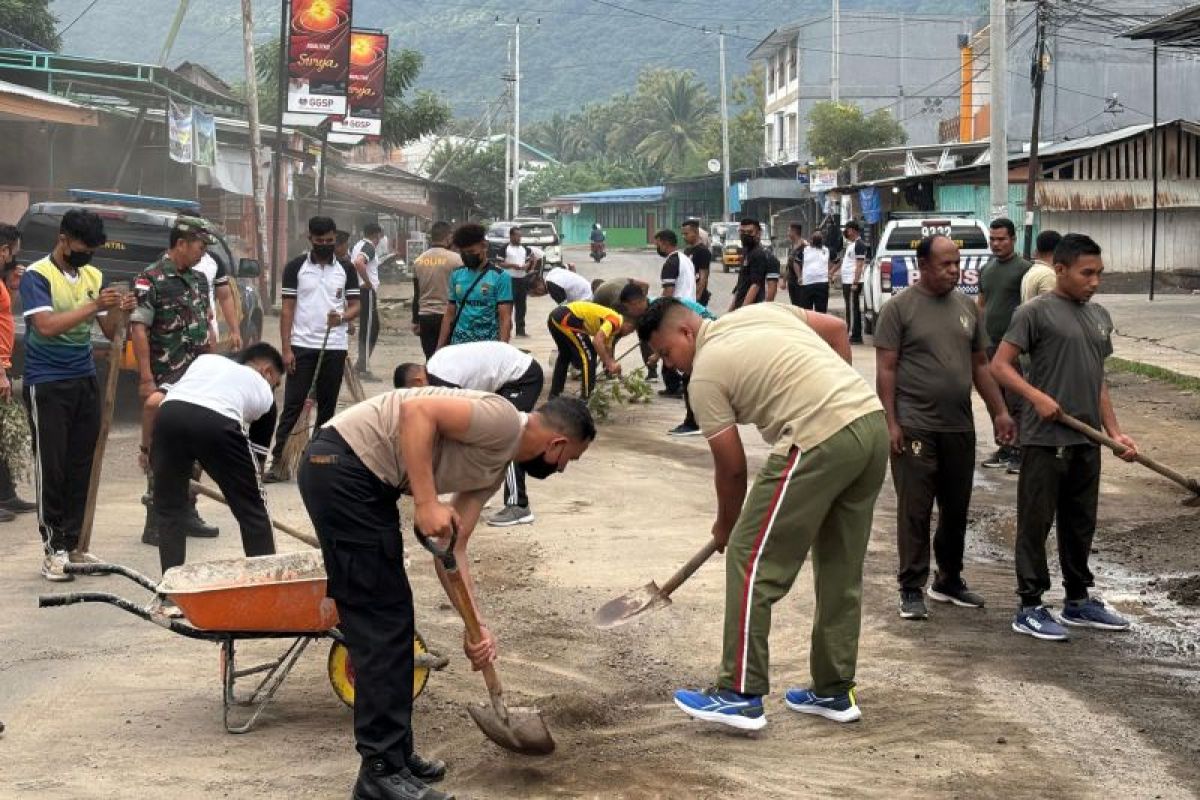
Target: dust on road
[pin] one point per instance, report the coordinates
(101, 705)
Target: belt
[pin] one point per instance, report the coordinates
(329, 434)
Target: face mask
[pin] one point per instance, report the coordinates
(323, 252)
(538, 467)
(661, 253)
(78, 258)
(748, 240)
(471, 260)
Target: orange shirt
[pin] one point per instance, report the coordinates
(7, 329)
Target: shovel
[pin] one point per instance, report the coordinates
(521, 730)
(1191, 484)
(650, 597)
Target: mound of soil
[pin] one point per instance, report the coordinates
(1185, 591)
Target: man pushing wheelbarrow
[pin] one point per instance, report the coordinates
(421, 442)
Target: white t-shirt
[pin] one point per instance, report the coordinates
(482, 366)
(678, 271)
(233, 390)
(816, 265)
(371, 253)
(575, 285)
(318, 290)
(516, 254)
(854, 251)
(216, 277)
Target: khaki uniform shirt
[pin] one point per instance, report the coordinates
(1041, 279)
(763, 365)
(372, 429)
(432, 271)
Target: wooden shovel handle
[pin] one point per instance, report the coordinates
(688, 569)
(1100, 438)
(462, 601)
(213, 494)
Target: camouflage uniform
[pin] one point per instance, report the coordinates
(173, 305)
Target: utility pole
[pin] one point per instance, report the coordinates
(998, 33)
(1154, 156)
(260, 198)
(1039, 80)
(515, 142)
(835, 67)
(508, 168)
(724, 135)
(277, 157)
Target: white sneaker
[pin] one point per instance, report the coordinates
(53, 566)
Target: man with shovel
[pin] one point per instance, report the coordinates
(424, 443)
(786, 371)
(1067, 338)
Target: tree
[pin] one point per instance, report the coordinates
(746, 101)
(31, 20)
(477, 169)
(839, 130)
(678, 110)
(406, 117)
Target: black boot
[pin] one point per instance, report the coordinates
(378, 781)
(429, 770)
(150, 531)
(16, 505)
(196, 527)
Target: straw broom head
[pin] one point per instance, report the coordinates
(297, 440)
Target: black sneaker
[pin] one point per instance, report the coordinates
(1014, 466)
(6, 515)
(378, 781)
(676, 394)
(998, 460)
(150, 531)
(912, 604)
(16, 505)
(273, 475)
(429, 770)
(958, 594)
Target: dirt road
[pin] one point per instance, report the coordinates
(101, 705)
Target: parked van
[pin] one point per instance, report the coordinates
(894, 266)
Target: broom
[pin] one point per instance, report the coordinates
(353, 384)
(300, 434)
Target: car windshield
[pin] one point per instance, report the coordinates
(905, 238)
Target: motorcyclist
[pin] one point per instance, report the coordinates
(597, 237)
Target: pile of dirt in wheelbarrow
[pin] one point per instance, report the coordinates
(1185, 591)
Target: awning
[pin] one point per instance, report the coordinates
(22, 104)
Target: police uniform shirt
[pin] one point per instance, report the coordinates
(317, 290)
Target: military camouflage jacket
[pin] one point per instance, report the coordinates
(173, 305)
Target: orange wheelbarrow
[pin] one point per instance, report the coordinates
(239, 599)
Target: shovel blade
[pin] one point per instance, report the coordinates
(524, 731)
(627, 606)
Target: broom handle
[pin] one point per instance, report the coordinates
(312, 389)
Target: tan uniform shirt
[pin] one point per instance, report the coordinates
(372, 428)
(432, 270)
(1040, 279)
(763, 365)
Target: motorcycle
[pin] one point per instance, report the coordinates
(598, 252)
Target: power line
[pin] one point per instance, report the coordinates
(80, 16)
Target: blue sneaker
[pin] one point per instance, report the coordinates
(723, 706)
(1092, 613)
(1039, 623)
(839, 708)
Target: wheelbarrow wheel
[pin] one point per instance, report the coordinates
(341, 671)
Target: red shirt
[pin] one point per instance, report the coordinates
(7, 328)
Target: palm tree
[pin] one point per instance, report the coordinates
(676, 121)
(555, 136)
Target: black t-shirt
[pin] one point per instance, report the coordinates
(670, 270)
(758, 266)
(701, 257)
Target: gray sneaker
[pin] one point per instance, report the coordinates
(511, 515)
(912, 604)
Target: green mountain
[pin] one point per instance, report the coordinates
(572, 51)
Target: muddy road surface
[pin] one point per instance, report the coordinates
(99, 704)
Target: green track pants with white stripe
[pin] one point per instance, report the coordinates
(820, 501)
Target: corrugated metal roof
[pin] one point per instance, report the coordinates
(1115, 195)
(36, 94)
(641, 194)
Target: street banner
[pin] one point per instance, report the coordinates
(318, 57)
(368, 74)
(823, 180)
(179, 131)
(204, 139)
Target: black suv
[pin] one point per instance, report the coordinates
(137, 237)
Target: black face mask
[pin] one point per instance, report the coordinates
(538, 467)
(661, 253)
(748, 241)
(323, 252)
(471, 260)
(78, 259)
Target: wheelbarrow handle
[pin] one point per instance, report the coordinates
(447, 557)
(111, 569)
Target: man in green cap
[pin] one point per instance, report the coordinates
(169, 329)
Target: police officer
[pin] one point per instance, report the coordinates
(169, 329)
(420, 442)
